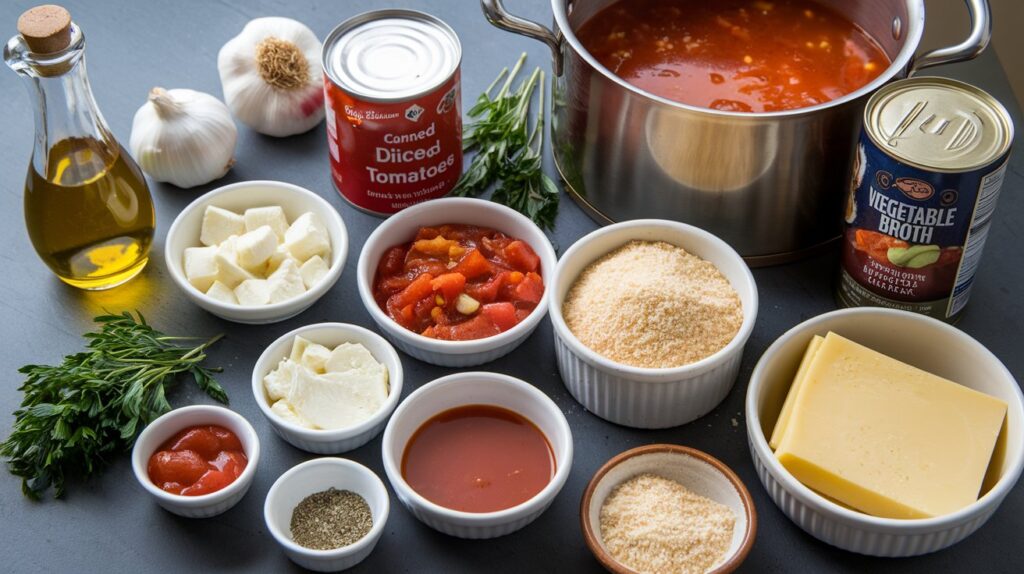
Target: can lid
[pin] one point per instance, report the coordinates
(389, 55)
(938, 124)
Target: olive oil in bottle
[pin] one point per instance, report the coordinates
(88, 210)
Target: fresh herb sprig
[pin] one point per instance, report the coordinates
(508, 151)
(77, 414)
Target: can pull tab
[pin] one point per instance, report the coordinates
(960, 132)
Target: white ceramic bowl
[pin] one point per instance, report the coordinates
(921, 341)
(699, 472)
(402, 227)
(329, 335)
(237, 197)
(169, 424)
(642, 397)
(315, 476)
(476, 388)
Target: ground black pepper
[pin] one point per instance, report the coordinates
(330, 519)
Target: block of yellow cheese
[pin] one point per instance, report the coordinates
(886, 438)
(794, 389)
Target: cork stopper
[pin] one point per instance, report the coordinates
(46, 29)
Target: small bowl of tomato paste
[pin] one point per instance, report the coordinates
(456, 282)
(197, 461)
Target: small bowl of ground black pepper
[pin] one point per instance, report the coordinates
(662, 508)
(327, 514)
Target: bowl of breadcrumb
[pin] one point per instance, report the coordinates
(666, 508)
(650, 320)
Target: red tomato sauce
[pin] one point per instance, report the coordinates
(198, 460)
(734, 55)
(497, 277)
(478, 458)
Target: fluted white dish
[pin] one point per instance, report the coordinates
(925, 343)
(402, 227)
(329, 335)
(643, 397)
(238, 197)
(474, 388)
(177, 420)
(318, 475)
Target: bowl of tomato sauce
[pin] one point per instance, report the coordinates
(197, 461)
(456, 282)
(477, 454)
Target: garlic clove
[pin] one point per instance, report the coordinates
(183, 137)
(272, 78)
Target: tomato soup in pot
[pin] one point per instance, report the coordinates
(734, 55)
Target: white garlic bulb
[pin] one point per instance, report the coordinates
(183, 137)
(271, 76)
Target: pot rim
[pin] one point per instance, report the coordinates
(914, 31)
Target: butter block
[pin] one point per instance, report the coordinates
(315, 357)
(350, 356)
(219, 224)
(299, 345)
(794, 389)
(336, 400)
(887, 438)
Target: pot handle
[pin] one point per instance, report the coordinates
(975, 44)
(498, 16)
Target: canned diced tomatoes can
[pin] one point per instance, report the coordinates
(926, 178)
(393, 109)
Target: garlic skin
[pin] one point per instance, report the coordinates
(183, 137)
(271, 76)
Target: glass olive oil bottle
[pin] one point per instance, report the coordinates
(88, 210)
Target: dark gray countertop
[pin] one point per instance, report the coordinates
(110, 524)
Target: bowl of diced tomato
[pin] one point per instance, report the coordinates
(456, 282)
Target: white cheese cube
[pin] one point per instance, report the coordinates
(279, 256)
(219, 224)
(253, 292)
(315, 357)
(313, 270)
(201, 266)
(272, 216)
(255, 247)
(298, 347)
(350, 356)
(336, 400)
(279, 381)
(222, 292)
(286, 282)
(283, 409)
(307, 237)
(229, 272)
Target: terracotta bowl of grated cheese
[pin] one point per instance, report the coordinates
(649, 321)
(664, 506)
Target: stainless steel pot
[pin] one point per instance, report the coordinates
(771, 184)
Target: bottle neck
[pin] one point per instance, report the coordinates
(73, 144)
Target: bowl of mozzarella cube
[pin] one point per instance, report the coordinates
(257, 251)
(328, 388)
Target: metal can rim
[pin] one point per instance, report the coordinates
(352, 23)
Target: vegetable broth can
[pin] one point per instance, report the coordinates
(393, 108)
(929, 165)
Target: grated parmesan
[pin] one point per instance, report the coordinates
(652, 304)
(657, 526)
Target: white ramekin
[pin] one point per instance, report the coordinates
(238, 197)
(921, 341)
(318, 475)
(641, 397)
(474, 388)
(169, 424)
(329, 335)
(402, 227)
